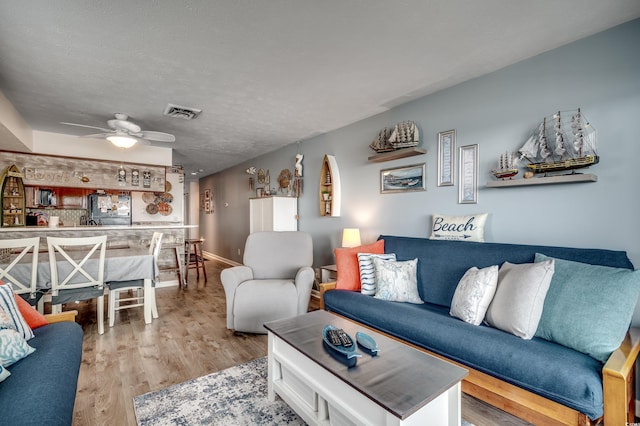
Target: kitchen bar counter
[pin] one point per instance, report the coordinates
(118, 236)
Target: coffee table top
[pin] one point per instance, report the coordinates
(401, 379)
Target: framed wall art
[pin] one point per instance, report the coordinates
(468, 174)
(403, 179)
(446, 157)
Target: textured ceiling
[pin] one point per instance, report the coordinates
(265, 73)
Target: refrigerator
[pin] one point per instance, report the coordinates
(107, 209)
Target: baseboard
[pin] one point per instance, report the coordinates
(220, 259)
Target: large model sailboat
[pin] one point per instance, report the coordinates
(571, 150)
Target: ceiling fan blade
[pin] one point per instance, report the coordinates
(84, 125)
(98, 135)
(157, 136)
(124, 124)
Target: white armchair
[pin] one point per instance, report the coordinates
(275, 281)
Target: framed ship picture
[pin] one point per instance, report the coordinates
(403, 179)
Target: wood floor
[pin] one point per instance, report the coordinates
(188, 340)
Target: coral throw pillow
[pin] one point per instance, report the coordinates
(34, 318)
(347, 264)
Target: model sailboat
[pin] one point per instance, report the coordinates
(562, 156)
(507, 166)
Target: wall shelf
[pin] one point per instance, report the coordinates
(549, 180)
(330, 191)
(398, 153)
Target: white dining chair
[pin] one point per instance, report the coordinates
(116, 288)
(22, 279)
(77, 272)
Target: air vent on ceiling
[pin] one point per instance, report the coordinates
(178, 111)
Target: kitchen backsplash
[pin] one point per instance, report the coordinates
(68, 217)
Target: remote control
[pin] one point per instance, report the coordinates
(344, 338)
(334, 337)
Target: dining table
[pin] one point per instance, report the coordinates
(121, 264)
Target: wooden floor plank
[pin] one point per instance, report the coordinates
(188, 340)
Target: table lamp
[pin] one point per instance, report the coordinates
(351, 237)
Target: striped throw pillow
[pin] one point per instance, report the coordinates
(9, 306)
(368, 273)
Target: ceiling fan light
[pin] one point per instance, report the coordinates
(122, 141)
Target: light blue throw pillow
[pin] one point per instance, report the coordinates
(397, 281)
(368, 273)
(10, 307)
(588, 307)
(13, 347)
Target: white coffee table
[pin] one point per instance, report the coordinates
(400, 386)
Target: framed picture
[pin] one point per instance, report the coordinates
(202, 201)
(403, 179)
(468, 170)
(207, 195)
(446, 157)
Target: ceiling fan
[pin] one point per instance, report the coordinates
(124, 133)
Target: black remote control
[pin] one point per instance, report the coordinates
(334, 337)
(344, 338)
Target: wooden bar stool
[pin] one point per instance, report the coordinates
(197, 262)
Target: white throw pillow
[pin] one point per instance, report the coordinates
(397, 281)
(462, 228)
(474, 293)
(367, 271)
(517, 305)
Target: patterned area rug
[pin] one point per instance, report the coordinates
(235, 396)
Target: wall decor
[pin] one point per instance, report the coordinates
(403, 135)
(468, 170)
(446, 157)
(135, 177)
(403, 179)
(330, 189)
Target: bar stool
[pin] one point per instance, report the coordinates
(198, 260)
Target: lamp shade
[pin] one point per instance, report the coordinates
(351, 237)
(122, 141)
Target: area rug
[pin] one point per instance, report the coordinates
(235, 396)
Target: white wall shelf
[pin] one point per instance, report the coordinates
(548, 180)
(398, 153)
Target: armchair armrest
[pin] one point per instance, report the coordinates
(69, 316)
(618, 381)
(324, 287)
(231, 278)
(304, 284)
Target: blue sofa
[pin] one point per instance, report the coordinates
(42, 387)
(537, 380)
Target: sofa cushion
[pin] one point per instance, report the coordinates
(572, 379)
(42, 387)
(474, 293)
(460, 228)
(396, 281)
(347, 264)
(589, 307)
(441, 264)
(517, 305)
(368, 272)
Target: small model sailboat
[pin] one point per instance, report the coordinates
(580, 153)
(507, 166)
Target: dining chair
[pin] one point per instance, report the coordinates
(22, 280)
(77, 272)
(118, 287)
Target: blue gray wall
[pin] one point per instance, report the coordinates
(600, 74)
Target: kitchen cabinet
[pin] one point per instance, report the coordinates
(273, 214)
